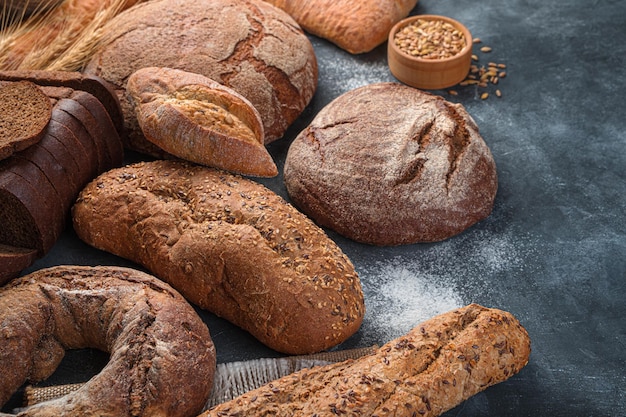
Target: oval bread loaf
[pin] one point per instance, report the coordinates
(250, 46)
(387, 164)
(431, 369)
(162, 359)
(230, 246)
(199, 120)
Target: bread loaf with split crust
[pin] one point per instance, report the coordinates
(433, 368)
(199, 120)
(230, 246)
(162, 359)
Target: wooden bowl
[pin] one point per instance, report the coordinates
(429, 73)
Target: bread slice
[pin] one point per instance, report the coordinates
(24, 114)
(13, 260)
(94, 85)
(62, 114)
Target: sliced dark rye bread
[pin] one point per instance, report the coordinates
(92, 84)
(13, 260)
(25, 215)
(104, 127)
(24, 114)
(57, 171)
(67, 138)
(62, 114)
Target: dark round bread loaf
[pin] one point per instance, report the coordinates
(162, 358)
(388, 164)
(250, 46)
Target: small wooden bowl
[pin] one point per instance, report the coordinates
(429, 74)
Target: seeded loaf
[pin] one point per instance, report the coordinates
(250, 46)
(162, 359)
(230, 246)
(431, 369)
(357, 27)
(24, 114)
(387, 164)
(196, 119)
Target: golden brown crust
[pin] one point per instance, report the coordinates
(356, 26)
(155, 338)
(431, 369)
(230, 246)
(199, 120)
(387, 164)
(250, 46)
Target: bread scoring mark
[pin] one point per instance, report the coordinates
(458, 141)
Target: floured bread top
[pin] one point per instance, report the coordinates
(388, 164)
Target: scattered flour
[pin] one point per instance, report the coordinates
(422, 282)
(361, 72)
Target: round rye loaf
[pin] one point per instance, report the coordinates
(250, 46)
(388, 164)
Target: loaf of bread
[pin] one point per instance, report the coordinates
(162, 360)
(387, 164)
(357, 27)
(250, 46)
(24, 115)
(431, 369)
(194, 118)
(230, 246)
(39, 184)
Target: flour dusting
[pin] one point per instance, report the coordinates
(361, 73)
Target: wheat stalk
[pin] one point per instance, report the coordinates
(63, 38)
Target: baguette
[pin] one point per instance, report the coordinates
(431, 369)
(230, 246)
(199, 120)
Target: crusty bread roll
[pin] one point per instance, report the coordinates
(25, 112)
(162, 359)
(230, 246)
(250, 46)
(387, 164)
(194, 118)
(433, 368)
(356, 26)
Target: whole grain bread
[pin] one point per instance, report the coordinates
(24, 114)
(230, 246)
(357, 27)
(162, 359)
(250, 46)
(199, 120)
(433, 368)
(387, 164)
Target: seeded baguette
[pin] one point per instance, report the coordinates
(199, 120)
(433, 368)
(230, 246)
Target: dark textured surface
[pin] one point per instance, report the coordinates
(553, 252)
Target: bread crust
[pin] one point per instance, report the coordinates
(431, 369)
(250, 46)
(155, 339)
(199, 120)
(386, 164)
(230, 246)
(356, 27)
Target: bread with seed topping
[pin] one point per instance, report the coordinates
(433, 368)
(230, 246)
